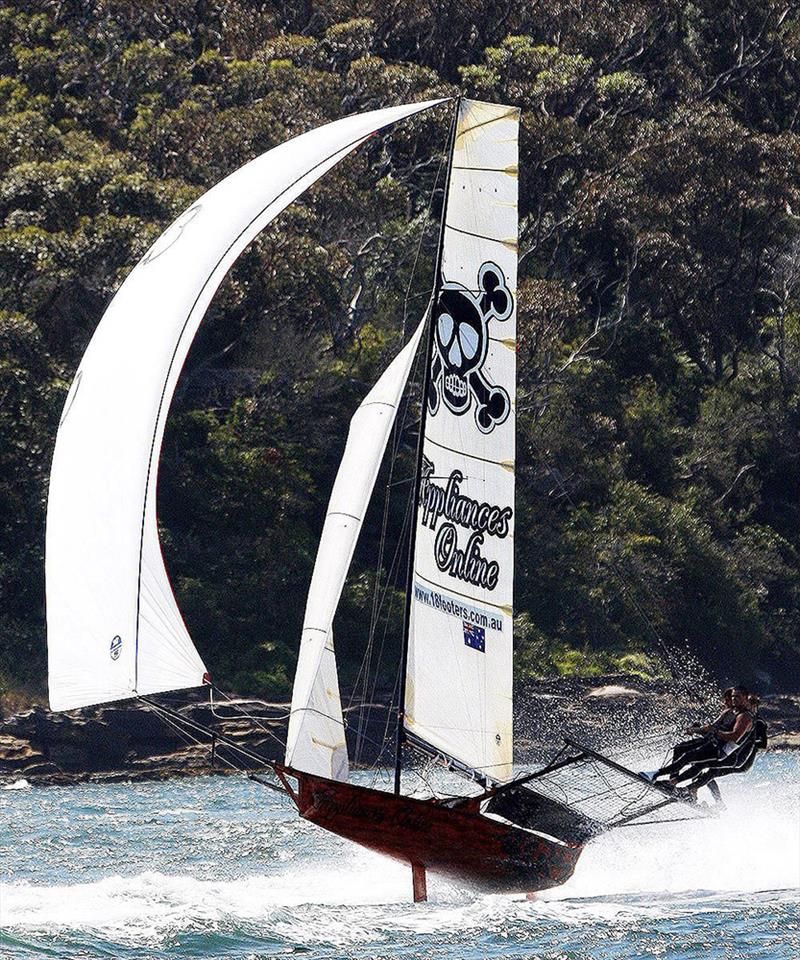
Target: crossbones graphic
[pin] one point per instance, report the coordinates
(461, 342)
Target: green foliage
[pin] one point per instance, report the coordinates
(658, 501)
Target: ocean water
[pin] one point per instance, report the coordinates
(220, 867)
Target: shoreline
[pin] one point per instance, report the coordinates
(126, 741)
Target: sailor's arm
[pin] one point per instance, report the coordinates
(706, 727)
(740, 728)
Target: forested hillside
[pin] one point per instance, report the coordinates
(659, 348)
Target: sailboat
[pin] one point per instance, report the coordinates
(114, 627)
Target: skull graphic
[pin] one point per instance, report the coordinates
(461, 342)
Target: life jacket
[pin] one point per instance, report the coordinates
(725, 722)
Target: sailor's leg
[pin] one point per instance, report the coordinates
(687, 777)
(700, 774)
(681, 749)
(705, 750)
(715, 791)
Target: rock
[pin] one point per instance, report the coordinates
(780, 707)
(785, 741)
(39, 769)
(15, 752)
(127, 741)
(615, 692)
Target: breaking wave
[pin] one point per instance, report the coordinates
(221, 871)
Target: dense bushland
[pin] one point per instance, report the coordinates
(659, 354)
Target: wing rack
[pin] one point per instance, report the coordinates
(584, 794)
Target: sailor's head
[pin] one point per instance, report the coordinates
(727, 697)
(741, 697)
(753, 701)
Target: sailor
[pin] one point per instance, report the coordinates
(739, 759)
(722, 750)
(702, 745)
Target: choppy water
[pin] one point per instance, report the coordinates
(219, 867)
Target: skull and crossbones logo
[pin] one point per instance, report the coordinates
(461, 342)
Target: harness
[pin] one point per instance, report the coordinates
(728, 747)
(726, 721)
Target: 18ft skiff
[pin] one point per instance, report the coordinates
(114, 627)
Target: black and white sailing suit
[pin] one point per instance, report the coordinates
(737, 760)
(699, 749)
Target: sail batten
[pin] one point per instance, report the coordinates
(114, 627)
(460, 646)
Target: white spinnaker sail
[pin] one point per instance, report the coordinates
(316, 741)
(114, 629)
(460, 657)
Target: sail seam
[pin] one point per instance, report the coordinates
(506, 170)
(485, 123)
(326, 716)
(465, 596)
(342, 151)
(465, 453)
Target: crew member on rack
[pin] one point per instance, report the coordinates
(699, 747)
(739, 759)
(720, 745)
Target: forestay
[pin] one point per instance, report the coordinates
(114, 629)
(460, 672)
(316, 741)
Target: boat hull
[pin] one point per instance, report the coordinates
(458, 843)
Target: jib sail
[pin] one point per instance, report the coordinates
(316, 740)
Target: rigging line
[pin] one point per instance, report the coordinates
(650, 823)
(395, 702)
(247, 716)
(185, 734)
(389, 595)
(387, 605)
(397, 431)
(385, 741)
(366, 658)
(369, 696)
(362, 667)
(389, 590)
(206, 731)
(188, 738)
(361, 736)
(421, 238)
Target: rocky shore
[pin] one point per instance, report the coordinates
(127, 741)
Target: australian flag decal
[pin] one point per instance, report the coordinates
(474, 637)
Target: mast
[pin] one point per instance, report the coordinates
(401, 710)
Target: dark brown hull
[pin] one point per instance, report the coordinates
(457, 843)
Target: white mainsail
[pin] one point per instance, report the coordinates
(316, 741)
(114, 628)
(460, 655)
